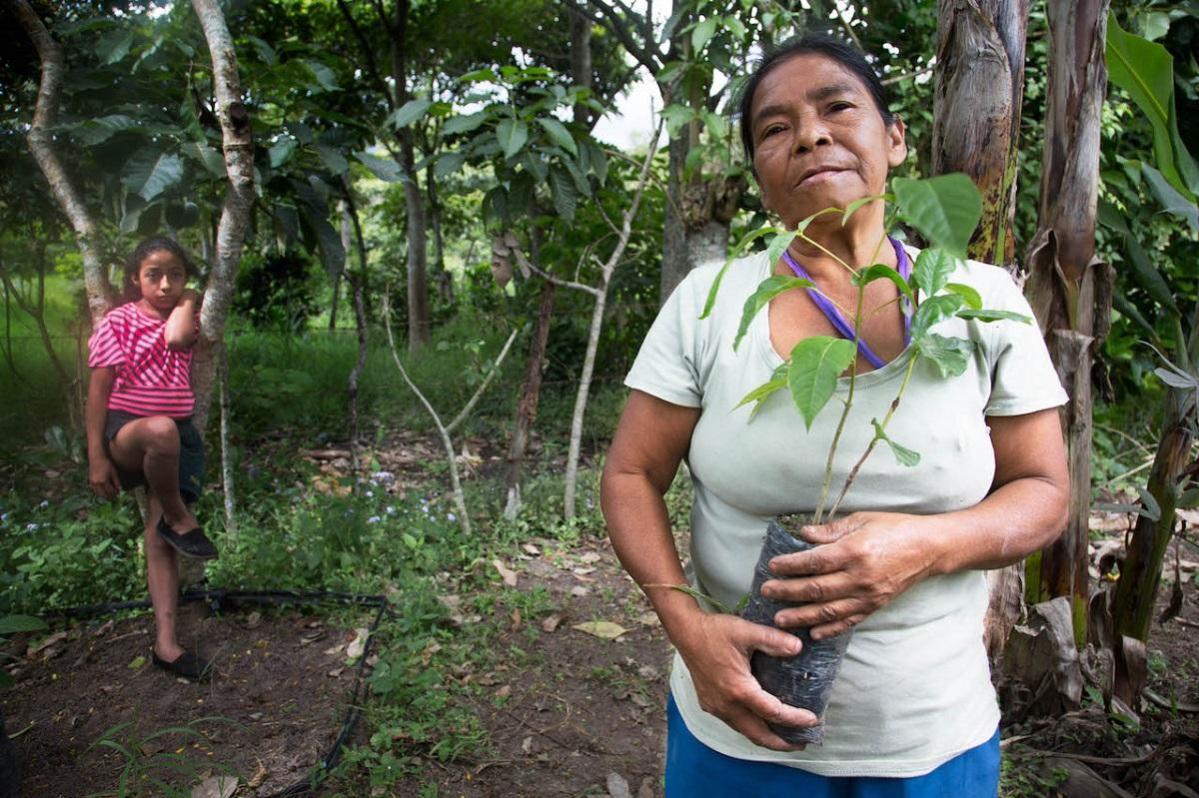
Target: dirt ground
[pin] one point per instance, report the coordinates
(582, 716)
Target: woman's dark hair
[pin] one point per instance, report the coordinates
(813, 43)
(146, 248)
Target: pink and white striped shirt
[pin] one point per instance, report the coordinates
(151, 378)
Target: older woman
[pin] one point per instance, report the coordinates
(913, 711)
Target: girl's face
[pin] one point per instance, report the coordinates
(161, 277)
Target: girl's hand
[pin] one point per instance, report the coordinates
(717, 650)
(102, 476)
(866, 561)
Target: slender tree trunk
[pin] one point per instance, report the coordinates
(976, 110)
(441, 277)
(580, 61)
(41, 144)
(530, 395)
(339, 273)
(360, 327)
(238, 146)
(227, 470)
(1068, 287)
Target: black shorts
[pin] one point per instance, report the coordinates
(191, 455)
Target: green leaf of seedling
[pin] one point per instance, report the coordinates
(10, 624)
(932, 270)
(557, 133)
(903, 455)
(853, 207)
(945, 209)
(710, 302)
(986, 315)
(1174, 202)
(759, 395)
(512, 135)
(702, 33)
(778, 245)
(950, 355)
(881, 271)
(767, 290)
(816, 363)
(410, 112)
(972, 298)
(933, 311)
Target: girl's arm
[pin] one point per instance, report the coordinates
(102, 471)
(650, 441)
(181, 330)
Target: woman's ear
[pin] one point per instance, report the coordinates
(897, 150)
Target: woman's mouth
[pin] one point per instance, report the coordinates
(819, 175)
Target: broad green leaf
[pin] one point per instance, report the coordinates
(212, 160)
(945, 209)
(994, 315)
(478, 76)
(971, 296)
(10, 624)
(735, 25)
(1154, 24)
(385, 169)
(410, 112)
(1176, 379)
(676, 116)
(950, 355)
(266, 53)
(558, 134)
(903, 455)
(853, 207)
(563, 193)
(464, 124)
(778, 245)
(512, 135)
(933, 311)
(96, 131)
(881, 271)
(816, 363)
(759, 395)
(114, 45)
(671, 71)
(535, 165)
(1131, 311)
(710, 302)
(702, 33)
(767, 290)
(166, 172)
(333, 254)
(323, 74)
(1170, 199)
(1145, 70)
(1147, 274)
(449, 163)
(281, 151)
(182, 215)
(333, 160)
(932, 270)
(599, 163)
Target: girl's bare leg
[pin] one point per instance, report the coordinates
(151, 445)
(162, 577)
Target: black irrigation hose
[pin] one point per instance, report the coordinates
(216, 598)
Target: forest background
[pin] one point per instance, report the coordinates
(427, 273)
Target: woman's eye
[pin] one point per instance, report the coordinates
(770, 131)
(839, 106)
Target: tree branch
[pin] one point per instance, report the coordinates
(368, 52)
(495, 367)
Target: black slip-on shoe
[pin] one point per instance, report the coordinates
(187, 665)
(193, 543)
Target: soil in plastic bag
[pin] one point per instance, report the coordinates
(804, 680)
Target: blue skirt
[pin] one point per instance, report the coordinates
(694, 770)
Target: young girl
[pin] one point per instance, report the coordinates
(139, 429)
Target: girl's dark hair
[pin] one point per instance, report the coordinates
(146, 248)
(814, 43)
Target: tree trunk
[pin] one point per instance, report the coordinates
(227, 470)
(976, 110)
(580, 62)
(360, 327)
(441, 277)
(530, 395)
(41, 144)
(1068, 287)
(238, 146)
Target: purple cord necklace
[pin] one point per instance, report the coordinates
(841, 324)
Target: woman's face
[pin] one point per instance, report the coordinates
(819, 139)
(161, 277)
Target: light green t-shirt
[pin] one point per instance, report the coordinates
(914, 690)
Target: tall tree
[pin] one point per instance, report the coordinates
(1069, 288)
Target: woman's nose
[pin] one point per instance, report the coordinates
(810, 135)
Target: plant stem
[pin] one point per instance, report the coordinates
(853, 473)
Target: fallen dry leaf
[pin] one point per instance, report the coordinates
(649, 619)
(605, 630)
(530, 549)
(333, 674)
(507, 574)
(504, 691)
(618, 786)
(590, 557)
(516, 620)
(551, 623)
(216, 787)
(526, 745)
(259, 776)
(578, 591)
(42, 645)
(358, 644)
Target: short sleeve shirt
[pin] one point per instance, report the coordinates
(914, 690)
(151, 379)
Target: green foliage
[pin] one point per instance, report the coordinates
(815, 365)
(146, 771)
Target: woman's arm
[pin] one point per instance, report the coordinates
(651, 440)
(102, 472)
(873, 557)
(180, 330)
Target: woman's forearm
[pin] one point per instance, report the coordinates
(96, 411)
(180, 330)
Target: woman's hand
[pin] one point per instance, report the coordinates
(717, 649)
(102, 476)
(866, 560)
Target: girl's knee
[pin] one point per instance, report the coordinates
(162, 432)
